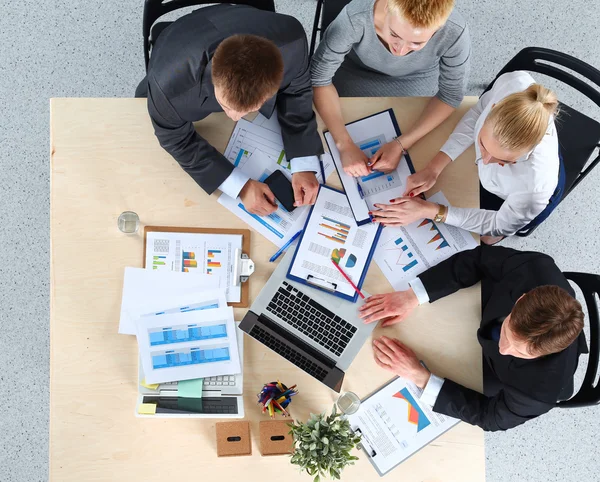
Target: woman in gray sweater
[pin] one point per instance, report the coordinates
(403, 48)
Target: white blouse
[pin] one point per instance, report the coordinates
(525, 186)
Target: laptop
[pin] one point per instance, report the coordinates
(222, 396)
(317, 332)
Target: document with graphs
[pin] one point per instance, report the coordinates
(403, 253)
(332, 236)
(394, 424)
(369, 135)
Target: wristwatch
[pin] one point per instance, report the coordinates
(440, 217)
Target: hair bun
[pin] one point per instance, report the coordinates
(545, 96)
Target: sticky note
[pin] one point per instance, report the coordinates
(147, 408)
(149, 386)
(190, 388)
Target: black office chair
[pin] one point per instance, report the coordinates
(154, 9)
(588, 394)
(578, 135)
(331, 9)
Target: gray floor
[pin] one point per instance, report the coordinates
(52, 48)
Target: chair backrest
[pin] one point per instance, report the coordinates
(331, 9)
(154, 9)
(548, 62)
(588, 394)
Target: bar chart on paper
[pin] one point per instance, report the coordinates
(214, 259)
(248, 137)
(185, 333)
(334, 230)
(376, 182)
(189, 356)
(401, 254)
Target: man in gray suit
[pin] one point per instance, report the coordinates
(234, 59)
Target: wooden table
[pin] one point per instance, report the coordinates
(105, 160)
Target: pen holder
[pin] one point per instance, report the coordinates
(276, 397)
(233, 438)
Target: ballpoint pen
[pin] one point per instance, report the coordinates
(360, 191)
(284, 247)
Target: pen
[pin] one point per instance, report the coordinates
(360, 191)
(284, 247)
(348, 279)
(322, 169)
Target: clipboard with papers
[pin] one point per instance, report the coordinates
(332, 235)
(369, 134)
(394, 424)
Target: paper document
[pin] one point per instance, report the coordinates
(188, 345)
(403, 253)
(268, 123)
(279, 226)
(369, 134)
(143, 290)
(196, 253)
(248, 137)
(332, 234)
(394, 424)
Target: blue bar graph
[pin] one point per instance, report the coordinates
(263, 222)
(398, 241)
(184, 333)
(413, 263)
(373, 175)
(188, 356)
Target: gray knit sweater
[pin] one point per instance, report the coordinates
(352, 34)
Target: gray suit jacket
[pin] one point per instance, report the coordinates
(180, 88)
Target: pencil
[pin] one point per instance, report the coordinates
(348, 279)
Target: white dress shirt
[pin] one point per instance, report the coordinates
(525, 186)
(237, 179)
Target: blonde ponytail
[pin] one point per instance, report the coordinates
(520, 120)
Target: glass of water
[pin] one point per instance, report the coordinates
(129, 222)
(348, 403)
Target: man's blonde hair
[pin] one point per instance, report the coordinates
(520, 120)
(422, 13)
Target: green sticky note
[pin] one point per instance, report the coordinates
(190, 388)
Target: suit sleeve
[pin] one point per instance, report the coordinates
(464, 269)
(294, 107)
(507, 409)
(207, 166)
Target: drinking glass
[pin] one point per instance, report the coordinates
(129, 222)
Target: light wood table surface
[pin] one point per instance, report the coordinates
(105, 160)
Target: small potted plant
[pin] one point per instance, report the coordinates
(322, 445)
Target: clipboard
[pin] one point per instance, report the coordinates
(322, 284)
(368, 450)
(245, 264)
(362, 211)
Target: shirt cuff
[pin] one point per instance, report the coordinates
(419, 290)
(234, 183)
(432, 390)
(306, 163)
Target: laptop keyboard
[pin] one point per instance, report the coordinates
(221, 381)
(288, 353)
(309, 317)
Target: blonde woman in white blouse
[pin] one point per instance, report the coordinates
(516, 144)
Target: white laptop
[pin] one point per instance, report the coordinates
(222, 396)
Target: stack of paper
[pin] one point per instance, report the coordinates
(146, 291)
(188, 345)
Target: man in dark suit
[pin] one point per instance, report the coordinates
(530, 333)
(236, 59)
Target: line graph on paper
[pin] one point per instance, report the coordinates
(249, 137)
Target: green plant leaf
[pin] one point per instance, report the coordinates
(325, 440)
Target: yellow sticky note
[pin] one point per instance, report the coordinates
(149, 386)
(147, 409)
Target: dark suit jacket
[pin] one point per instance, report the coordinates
(180, 88)
(516, 390)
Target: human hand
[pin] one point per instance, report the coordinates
(389, 308)
(258, 198)
(387, 158)
(420, 182)
(306, 188)
(403, 211)
(354, 160)
(400, 360)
